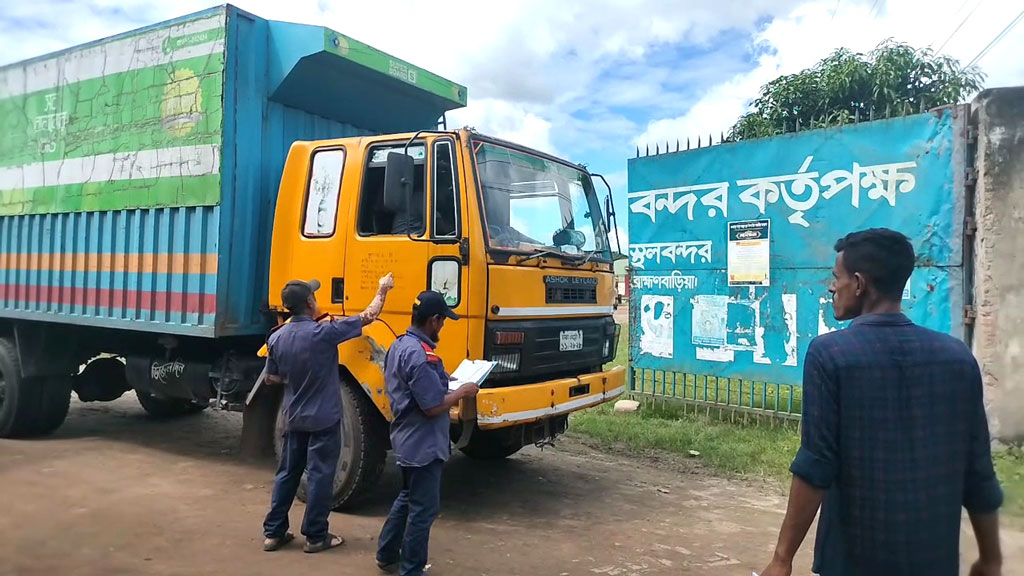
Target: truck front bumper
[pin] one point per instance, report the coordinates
(515, 405)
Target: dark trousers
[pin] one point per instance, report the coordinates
(406, 532)
(317, 454)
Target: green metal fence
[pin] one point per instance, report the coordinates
(726, 394)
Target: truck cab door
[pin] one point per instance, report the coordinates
(418, 239)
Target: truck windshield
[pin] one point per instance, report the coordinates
(533, 204)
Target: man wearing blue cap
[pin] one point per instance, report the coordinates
(303, 356)
(417, 387)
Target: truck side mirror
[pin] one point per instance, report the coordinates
(398, 179)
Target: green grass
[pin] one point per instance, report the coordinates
(752, 448)
(1010, 469)
(622, 350)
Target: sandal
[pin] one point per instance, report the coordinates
(272, 544)
(331, 541)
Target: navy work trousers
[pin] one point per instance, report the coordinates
(316, 454)
(406, 532)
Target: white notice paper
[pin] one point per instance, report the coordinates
(475, 371)
(748, 255)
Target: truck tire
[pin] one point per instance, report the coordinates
(165, 408)
(54, 400)
(491, 445)
(364, 438)
(19, 398)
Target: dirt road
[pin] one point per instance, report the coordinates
(116, 493)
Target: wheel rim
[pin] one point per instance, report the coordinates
(3, 389)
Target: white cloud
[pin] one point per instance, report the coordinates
(505, 119)
(795, 41)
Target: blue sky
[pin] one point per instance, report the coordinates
(589, 80)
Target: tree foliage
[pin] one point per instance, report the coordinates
(893, 79)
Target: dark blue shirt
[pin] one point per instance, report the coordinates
(304, 353)
(416, 381)
(894, 428)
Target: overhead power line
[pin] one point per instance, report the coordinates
(999, 37)
(873, 6)
(961, 25)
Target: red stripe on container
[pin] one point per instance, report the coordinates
(174, 302)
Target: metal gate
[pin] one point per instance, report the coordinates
(731, 250)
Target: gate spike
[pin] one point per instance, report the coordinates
(648, 151)
(721, 137)
(922, 106)
(856, 115)
(687, 142)
(698, 141)
(677, 144)
(657, 148)
(710, 143)
(637, 151)
(798, 124)
(888, 112)
(871, 114)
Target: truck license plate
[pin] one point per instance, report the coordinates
(570, 340)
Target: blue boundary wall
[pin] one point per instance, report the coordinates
(720, 322)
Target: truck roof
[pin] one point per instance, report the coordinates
(312, 68)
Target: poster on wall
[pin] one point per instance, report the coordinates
(747, 260)
(656, 325)
(710, 313)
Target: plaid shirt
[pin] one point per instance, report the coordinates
(895, 429)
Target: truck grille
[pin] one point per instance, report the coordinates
(570, 290)
(540, 357)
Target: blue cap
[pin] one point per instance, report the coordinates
(430, 303)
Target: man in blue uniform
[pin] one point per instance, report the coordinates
(303, 355)
(417, 387)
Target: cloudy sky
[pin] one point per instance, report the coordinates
(586, 79)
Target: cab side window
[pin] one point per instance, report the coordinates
(446, 191)
(374, 219)
(322, 193)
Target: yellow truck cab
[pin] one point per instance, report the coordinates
(516, 241)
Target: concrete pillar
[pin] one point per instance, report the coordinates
(999, 257)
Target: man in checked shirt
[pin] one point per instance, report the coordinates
(894, 434)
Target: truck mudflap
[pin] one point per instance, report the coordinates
(514, 405)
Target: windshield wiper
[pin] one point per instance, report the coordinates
(590, 255)
(539, 255)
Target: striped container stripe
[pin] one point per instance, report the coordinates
(154, 265)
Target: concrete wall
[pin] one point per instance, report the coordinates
(999, 256)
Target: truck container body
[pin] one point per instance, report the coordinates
(138, 174)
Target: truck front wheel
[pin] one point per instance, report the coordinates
(364, 445)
